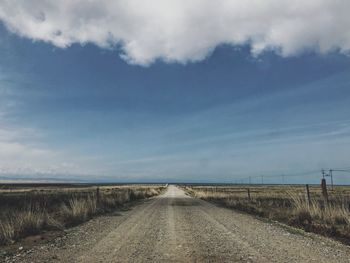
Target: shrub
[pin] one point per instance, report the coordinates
(7, 232)
(21, 223)
(78, 210)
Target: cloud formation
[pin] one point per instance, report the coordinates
(182, 30)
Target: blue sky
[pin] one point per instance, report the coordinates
(95, 112)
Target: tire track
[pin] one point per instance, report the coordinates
(178, 228)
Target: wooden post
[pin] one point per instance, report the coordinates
(324, 190)
(308, 195)
(331, 175)
(248, 191)
(97, 196)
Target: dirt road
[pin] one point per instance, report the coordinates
(177, 228)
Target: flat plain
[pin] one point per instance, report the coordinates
(176, 227)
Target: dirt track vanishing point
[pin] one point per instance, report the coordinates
(174, 227)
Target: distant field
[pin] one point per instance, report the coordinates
(27, 209)
(13, 187)
(272, 190)
(286, 203)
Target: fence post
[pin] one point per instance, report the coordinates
(97, 196)
(129, 193)
(308, 195)
(324, 190)
(248, 191)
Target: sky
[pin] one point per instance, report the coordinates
(174, 91)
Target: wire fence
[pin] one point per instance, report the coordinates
(334, 176)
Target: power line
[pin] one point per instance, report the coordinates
(340, 170)
(296, 174)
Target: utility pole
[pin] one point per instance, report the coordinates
(323, 174)
(331, 175)
(324, 190)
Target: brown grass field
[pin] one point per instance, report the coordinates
(31, 209)
(287, 204)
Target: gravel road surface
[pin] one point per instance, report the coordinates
(174, 227)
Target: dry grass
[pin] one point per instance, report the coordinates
(21, 223)
(287, 204)
(79, 210)
(27, 213)
(7, 231)
(336, 213)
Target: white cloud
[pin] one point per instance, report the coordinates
(183, 30)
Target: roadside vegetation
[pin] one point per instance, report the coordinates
(287, 204)
(26, 211)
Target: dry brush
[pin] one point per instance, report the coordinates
(31, 212)
(287, 204)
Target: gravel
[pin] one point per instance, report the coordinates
(177, 228)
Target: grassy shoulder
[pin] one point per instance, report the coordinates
(30, 213)
(287, 205)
